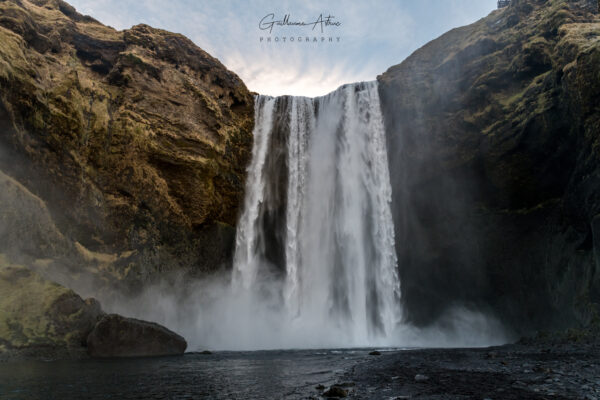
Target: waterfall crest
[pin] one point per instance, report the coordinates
(316, 237)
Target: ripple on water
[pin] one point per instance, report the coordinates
(223, 375)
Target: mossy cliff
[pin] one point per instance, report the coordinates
(135, 141)
(494, 139)
(39, 318)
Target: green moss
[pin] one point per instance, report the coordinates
(520, 98)
(101, 137)
(38, 312)
(24, 306)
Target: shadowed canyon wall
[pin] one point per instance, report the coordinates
(493, 137)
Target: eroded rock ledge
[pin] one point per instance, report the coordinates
(40, 319)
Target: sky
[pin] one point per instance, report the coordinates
(367, 36)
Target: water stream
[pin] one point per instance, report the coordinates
(316, 237)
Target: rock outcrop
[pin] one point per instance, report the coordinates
(116, 336)
(136, 141)
(41, 319)
(494, 137)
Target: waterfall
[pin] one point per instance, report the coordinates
(315, 241)
(315, 263)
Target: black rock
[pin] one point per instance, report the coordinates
(117, 336)
(336, 391)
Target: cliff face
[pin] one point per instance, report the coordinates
(136, 141)
(494, 138)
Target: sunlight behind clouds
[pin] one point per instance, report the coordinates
(374, 35)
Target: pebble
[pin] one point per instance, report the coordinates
(336, 391)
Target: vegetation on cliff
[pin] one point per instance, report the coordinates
(122, 158)
(135, 140)
(40, 318)
(493, 132)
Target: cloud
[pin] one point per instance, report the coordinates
(374, 35)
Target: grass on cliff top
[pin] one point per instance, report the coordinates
(11, 53)
(585, 35)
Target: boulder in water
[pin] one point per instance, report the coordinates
(40, 319)
(117, 336)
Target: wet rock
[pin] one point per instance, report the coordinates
(206, 352)
(504, 117)
(336, 392)
(375, 353)
(40, 319)
(117, 336)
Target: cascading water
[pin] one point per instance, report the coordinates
(315, 242)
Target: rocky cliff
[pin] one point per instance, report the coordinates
(494, 139)
(134, 144)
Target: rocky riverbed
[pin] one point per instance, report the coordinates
(529, 370)
(521, 371)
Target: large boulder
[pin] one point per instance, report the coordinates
(41, 319)
(116, 336)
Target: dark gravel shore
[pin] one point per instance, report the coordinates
(520, 371)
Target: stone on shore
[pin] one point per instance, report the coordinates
(41, 319)
(117, 336)
(336, 391)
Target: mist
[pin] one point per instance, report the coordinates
(211, 315)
